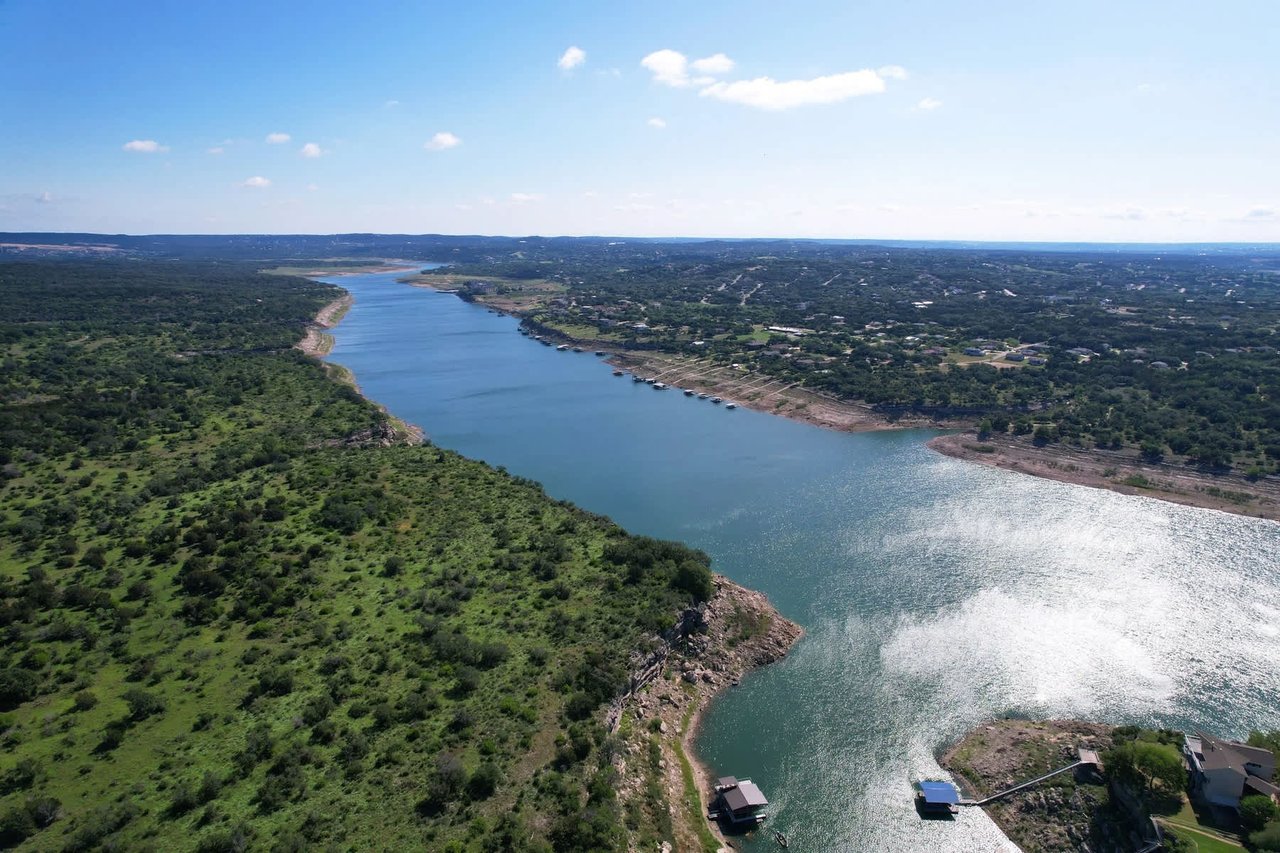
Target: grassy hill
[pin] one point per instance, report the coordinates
(236, 615)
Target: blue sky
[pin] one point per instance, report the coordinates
(1121, 121)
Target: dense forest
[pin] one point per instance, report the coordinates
(1170, 356)
(233, 617)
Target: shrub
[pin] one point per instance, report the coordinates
(484, 781)
(142, 704)
(17, 686)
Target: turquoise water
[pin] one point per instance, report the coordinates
(935, 593)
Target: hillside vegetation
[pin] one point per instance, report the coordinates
(232, 619)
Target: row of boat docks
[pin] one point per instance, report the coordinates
(688, 392)
(654, 383)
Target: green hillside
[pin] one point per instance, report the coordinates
(233, 619)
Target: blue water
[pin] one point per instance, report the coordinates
(935, 593)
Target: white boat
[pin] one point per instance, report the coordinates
(731, 405)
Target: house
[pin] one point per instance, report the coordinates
(740, 802)
(1223, 771)
(974, 351)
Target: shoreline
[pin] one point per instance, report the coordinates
(738, 631)
(1069, 813)
(1115, 472)
(1118, 473)
(317, 343)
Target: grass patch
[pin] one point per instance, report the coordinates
(692, 797)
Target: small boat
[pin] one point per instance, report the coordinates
(524, 331)
(599, 352)
(717, 400)
(658, 386)
(702, 396)
(651, 381)
(617, 373)
(688, 392)
(562, 347)
(780, 838)
(637, 378)
(544, 342)
(577, 349)
(731, 405)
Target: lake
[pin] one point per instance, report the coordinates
(935, 593)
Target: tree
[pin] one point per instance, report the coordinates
(1148, 765)
(1256, 811)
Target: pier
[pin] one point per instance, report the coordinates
(1087, 757)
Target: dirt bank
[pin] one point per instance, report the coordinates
(1119, 472)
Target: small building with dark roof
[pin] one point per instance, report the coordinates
(740, 802)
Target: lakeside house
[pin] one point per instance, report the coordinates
(739, 802)
(1224, 771)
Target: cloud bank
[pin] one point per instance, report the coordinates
(672, 68)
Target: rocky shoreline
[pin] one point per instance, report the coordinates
(709, 649)
(1073, 811)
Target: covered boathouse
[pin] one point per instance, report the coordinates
(739, 802)
(937, 798)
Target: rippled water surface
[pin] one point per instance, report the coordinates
(935, 593)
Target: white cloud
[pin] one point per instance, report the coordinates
(768, 94)
(572, 58)
(671, 67)
(311, 150)
(278, 138)
(892, 72)
(442, 141)
(1260, 213)
(633, 207)
(257, 182)
(391, 105)
(145, 146)
(525, 198)
(656, 122)
(928, 104)
(668, 66)
(312, 188)
(45, 197)
(217, 149)
(715, 64)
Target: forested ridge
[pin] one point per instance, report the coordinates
(229, 622)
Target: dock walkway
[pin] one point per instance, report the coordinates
(1024, 785)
